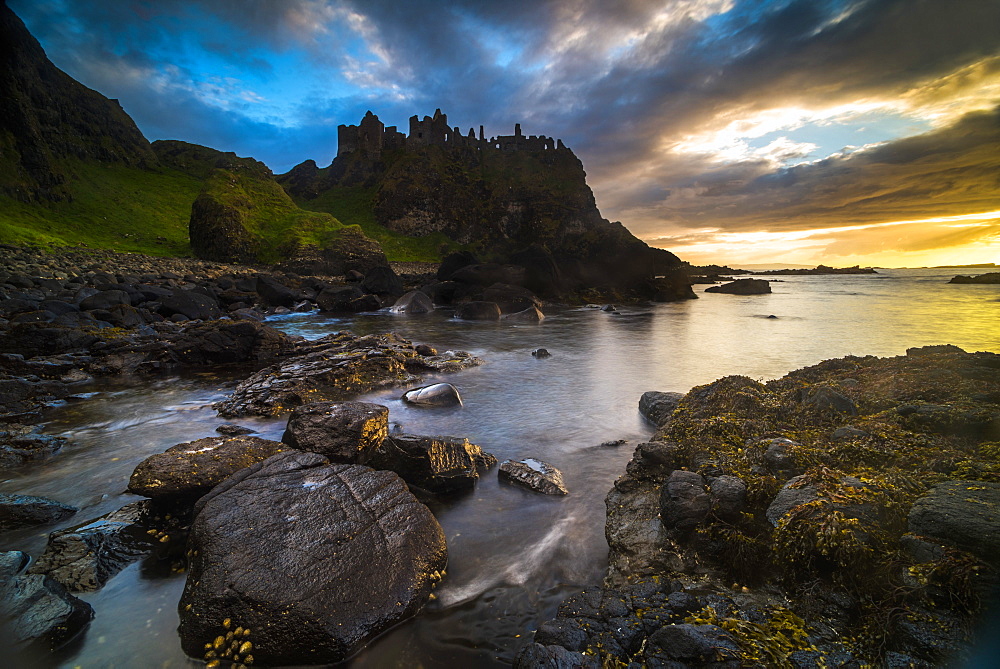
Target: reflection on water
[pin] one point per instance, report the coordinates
(513, 554)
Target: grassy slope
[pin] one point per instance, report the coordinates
(113, 206)
(353, 205)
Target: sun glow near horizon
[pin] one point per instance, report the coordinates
(975, 239)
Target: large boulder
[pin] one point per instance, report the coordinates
(529, 315)
(191, 305)
(413, 302)
(684, 502)
(23, 510)
(965, 514)
(478, 311)
(37, 615)
(303, 561)
(83, 558)
(742, 287)
(657, 407)
(339, 299)
(533, 474)
(275, 294)
(382, 281)
(346, 432)
(435, 464)
(511, 299)
(187, 471)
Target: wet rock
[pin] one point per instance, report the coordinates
(191, 305)
(654, 461)
(256, 543)
(424, 349)
(275, 294)
(657, 407)
(437, 395)
(23, 510)
(692, 645)
(233, 430)
(19, 446)
(413, 302)
(478, 311)
(537, 656)
(541, 353)
(728, 495)
(684, 502)
(347, 432)
(187, 471)
(105, 300)
(336, 368)
(742, 287)
(637, 540)
(36, 613)
(529, 315)
(512, 299)
(798, 491)
(436, 464)
(533, 474)
(965, 514)
(454, 262)
(382, 281)
(85, 557)
(344, 300)
(779, 456)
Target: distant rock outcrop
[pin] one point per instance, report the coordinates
(742, 287)
(992, 277)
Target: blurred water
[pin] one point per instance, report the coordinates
(513, 554)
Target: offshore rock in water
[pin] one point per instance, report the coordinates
(437, 395)
(742, 287)
(413, 302)
(478, 311)
(23, 510)
(309, 560)
(530, 315)
(335, 368)
(533, 474)
(185, 472)
(345, 432)
(435, 464)
(36, 612)
(657, 407)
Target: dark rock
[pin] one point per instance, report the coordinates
(797, 492)
(742, 287)
(275, 294)
(684, 645)
(615, 443)
(85, 557)
(541, 353)
(537, 656)
(779, 456)
(221, 342)
(684, 502)
(36, 613)
(541, 272)
(382, 281)
(233, 430)
(487, 274)
(511, 299)
(848, 433)
(105, 300)
(366, 303)
(533, 474)
(347, 432)
(191, 305)
(654, 460)
(436, 464)
(728, 495)
(657, 407)
(437, 395)
(825, 398)
(338, 299)
(991, 278)
(123, 316)
(23, 510)
(187, 471)
(965, 514)
(478, 311)
(413, 302)
(454, 262)
(425, 350)
(259, 537)
(17, 448)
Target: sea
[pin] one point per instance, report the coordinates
(513, 554)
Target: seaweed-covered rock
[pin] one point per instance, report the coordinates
(533, 474)
(185, 472)
(435, 464)
(302, 561)
(347, 432)
(83, 558)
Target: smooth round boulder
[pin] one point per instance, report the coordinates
(344, 432)
(413, 302)
(478, 311)
(187, 471)
(298, 561)
(684, 502)
(436, 395)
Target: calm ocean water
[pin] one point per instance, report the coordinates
(513, 554)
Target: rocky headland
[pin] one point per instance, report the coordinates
(845, 515)
(989, 278)
(819, 269)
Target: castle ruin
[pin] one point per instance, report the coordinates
(372, 137)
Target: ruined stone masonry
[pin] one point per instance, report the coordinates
(372, 137)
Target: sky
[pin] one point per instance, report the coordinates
(727, 131)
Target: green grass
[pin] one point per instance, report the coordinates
(353, 205)
(113, 207)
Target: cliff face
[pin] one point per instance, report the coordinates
(501, 205)
(47, 117)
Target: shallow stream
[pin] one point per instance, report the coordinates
(513, 555)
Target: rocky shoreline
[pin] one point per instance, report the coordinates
(845, 515)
